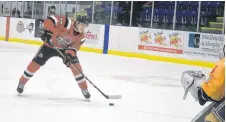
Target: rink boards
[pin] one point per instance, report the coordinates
(200, 49)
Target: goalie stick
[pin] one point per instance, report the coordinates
(200, 117)
(106, 96)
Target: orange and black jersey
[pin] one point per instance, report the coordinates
(62, 26)
(57, 24)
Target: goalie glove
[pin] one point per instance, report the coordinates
(203, 97)
(191, 82)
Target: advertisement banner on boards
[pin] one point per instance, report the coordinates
(92, 35)
(161, 41)
(3, 26)
(202, 44)
(22, 28)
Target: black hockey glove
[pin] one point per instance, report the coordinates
(67, 60)
(46, 36)
(70, 57)
(203, 97)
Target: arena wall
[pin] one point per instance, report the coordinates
(3, 28)
(200, 49)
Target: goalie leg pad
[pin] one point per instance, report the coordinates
(210, 118)
(215, 112)
(205, 114)
(219, 110)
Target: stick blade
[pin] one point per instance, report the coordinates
(114, 96)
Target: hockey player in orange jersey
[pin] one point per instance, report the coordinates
(66, 35)
(212, 90)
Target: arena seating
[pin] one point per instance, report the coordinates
(186, 14)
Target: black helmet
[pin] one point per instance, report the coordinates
(82, 18)
(52, 10)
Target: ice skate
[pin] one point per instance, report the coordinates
(86, 93)
(20, 88)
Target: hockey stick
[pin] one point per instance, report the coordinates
(106, 96)
(200, 117)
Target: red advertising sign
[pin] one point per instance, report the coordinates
(161, 41)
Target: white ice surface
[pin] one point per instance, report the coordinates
(151, 91)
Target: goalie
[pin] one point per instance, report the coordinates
(212, 90)
(66, 35)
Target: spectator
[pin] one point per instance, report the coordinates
(15, 13)
(2, 9)
(148, 3)
(137, 8)
(52, 11)
(124, 16)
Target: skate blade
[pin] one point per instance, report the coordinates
(19, 94)
(88, 100)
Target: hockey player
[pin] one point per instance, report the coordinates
(67, 35)
(212, 90)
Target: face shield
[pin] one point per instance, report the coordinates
(80, 27)
(81, 23)
(190, 81)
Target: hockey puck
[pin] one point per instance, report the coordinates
(111, 104)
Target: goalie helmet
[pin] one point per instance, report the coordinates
(191, 82)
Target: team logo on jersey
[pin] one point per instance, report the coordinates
(20, 27)
(40, 55)
(30, 27)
